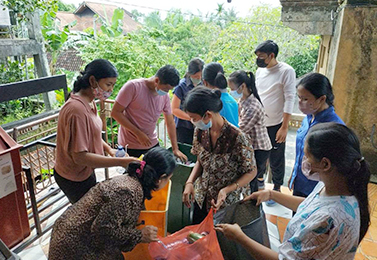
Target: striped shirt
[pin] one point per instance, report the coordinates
(252, 123)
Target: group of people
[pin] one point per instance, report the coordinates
(235, 126)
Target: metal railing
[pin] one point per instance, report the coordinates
(31, 190)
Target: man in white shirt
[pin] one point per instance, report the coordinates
(275, 82)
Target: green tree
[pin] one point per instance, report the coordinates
(55, 38)
(136, 55)
(113, 28)
(66, 7)
(234, 48)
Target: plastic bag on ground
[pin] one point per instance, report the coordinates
(176, 247)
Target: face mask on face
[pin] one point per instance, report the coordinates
(100, 93)
(307, 108)
(201, 125)
(261, 63)
(161, 92)
(195, 82)
(235, 94)
(306, 169)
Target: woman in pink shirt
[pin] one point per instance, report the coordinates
(79, 145)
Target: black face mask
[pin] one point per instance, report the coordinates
(261, 63)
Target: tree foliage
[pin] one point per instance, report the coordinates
(66, 7)
(219, 36)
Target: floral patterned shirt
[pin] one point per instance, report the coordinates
(231, 157)
(101, 224)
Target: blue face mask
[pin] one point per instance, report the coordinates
(201, 125)
(161, 92)
(235, 94)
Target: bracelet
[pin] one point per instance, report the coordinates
(190, 182)
(237, 185)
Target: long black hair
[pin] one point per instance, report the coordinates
(213, 73)
(240, 76)
(318, 85)
(200, 99)
(341, 146)
(158, 161)
(99, 68)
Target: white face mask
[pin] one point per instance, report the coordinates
(306, 169)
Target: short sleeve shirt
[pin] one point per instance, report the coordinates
(143, 108)
(184, 86)
(79, 130)
(230, 108)
(324, 227)
(231, 157)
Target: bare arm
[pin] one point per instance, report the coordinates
(255, 249)
(117, 114)
(170, 125)
(175, 104)
(195, 173)
(289, 201)
(242, 181)
(110, 151)
(188, 195)
(98, 161)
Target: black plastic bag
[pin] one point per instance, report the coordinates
(251, 219)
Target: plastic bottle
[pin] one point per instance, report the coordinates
(120, 153)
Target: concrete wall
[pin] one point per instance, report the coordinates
(352, 68)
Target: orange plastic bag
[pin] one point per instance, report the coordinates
(173, 247)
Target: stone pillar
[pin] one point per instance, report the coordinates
(352, 68)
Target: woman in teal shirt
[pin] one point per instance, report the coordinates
(213, 77)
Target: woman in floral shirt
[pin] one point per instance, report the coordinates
(225, 164)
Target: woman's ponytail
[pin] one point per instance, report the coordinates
(220, 81)
(252, 86)
(240, 76)
(146, 175)
(358, 186)
(99, 69)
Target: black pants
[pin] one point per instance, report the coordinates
(261, 158)
(75, 190)
(277, 157)
(199, 214)
(185, 135)
(138, 152)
